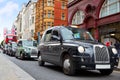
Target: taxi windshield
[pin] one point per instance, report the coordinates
(29, 43)
(75, 34)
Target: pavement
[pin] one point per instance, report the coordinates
(10, 71)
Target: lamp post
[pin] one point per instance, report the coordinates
(38, 37)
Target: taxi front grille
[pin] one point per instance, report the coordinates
(101, 54)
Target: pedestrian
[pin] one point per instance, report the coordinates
(107, 44)
(117, 46)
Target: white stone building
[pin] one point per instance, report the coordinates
(25, 21)
(29, 20)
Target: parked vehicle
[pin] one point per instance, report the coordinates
(73, 48)
(12, 48)
(5, 48)
(8, 49)
(26, 49)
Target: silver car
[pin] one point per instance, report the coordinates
(26, 49)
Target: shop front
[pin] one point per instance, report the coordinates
(101, 18)
(110, 33)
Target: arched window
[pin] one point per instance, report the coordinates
(110, 7)
(78, 17)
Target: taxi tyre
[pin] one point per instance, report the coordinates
(16, 55)
(40, 61)
(106, 71)
(22, 56)
(68, 65)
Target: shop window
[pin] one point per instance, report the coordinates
(110, 7)
(78, 17)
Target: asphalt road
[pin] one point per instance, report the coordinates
(52, 72)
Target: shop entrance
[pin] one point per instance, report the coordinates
(110, 33)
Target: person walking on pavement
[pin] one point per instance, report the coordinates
(117, 46)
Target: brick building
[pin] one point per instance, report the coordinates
(51, 13)
(100, 17)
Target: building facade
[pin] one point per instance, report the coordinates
(25, 21)
(18, 25)
(101, 18)
(50, 13)
(28, 20)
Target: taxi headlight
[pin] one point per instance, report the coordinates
(25, 50)
(114, 50)
(81, 49)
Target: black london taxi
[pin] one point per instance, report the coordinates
(73, 49)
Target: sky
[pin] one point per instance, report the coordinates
(9, 10)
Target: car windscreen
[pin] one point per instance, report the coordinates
(75, 34)
(28, 43)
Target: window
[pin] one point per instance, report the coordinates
(78, 17)
(110, 7)
(52, 14)
(44, 24)
(63, 5)
(52, 24)
(44, 14)
(50, 2)
(49, 13)
(63, 16)
(32, 32)
(32, 19)
(20, 43)
(75, 34)
(48, 36)
(49, 24)
(55, 34)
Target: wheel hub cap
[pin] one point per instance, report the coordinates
(67, 64)
(40, 58)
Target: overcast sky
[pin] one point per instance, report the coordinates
(9, 10)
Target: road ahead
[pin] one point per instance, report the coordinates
(52, 72)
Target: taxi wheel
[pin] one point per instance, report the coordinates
(16, 56)
(68, 66)
(21, 56)
(40, 61)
